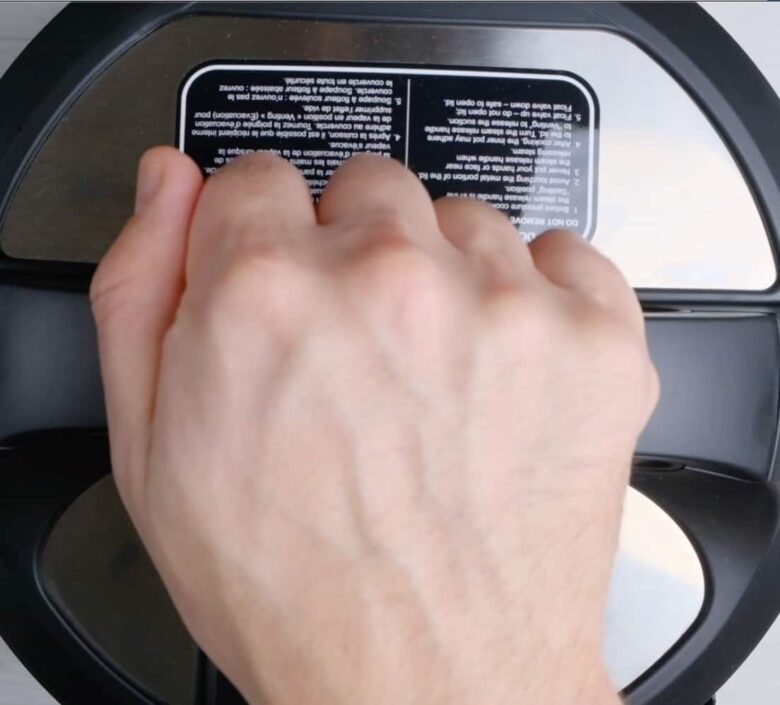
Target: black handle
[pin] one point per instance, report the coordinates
(719, 379)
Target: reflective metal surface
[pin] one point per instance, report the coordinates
(657, 592)
(673, 209)
(97, 573)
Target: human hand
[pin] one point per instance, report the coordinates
(377, 449)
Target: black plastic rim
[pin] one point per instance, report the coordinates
(73, 50)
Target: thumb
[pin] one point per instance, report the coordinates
(135, 293)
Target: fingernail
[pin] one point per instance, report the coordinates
(149, 180)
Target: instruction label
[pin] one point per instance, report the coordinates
(526, 142)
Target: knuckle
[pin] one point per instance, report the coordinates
(372, 168)
(484, 238)
(242, 242)
(258, 291)
(255, 163)
(484, 223)
(391, 265)
(383, 229)
(609, 290)
(366, 159)
(611, 343)
(522, 314)
(604, 296)
(241, 284)
(403, 284)
(249, 184)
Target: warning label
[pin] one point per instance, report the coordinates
(524, 142)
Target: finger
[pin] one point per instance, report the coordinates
(568, 261)
(487, 238)
(373, 190)
(136, 290)
(259, 203)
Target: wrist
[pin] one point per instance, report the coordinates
(576, 680)
(597, 689)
